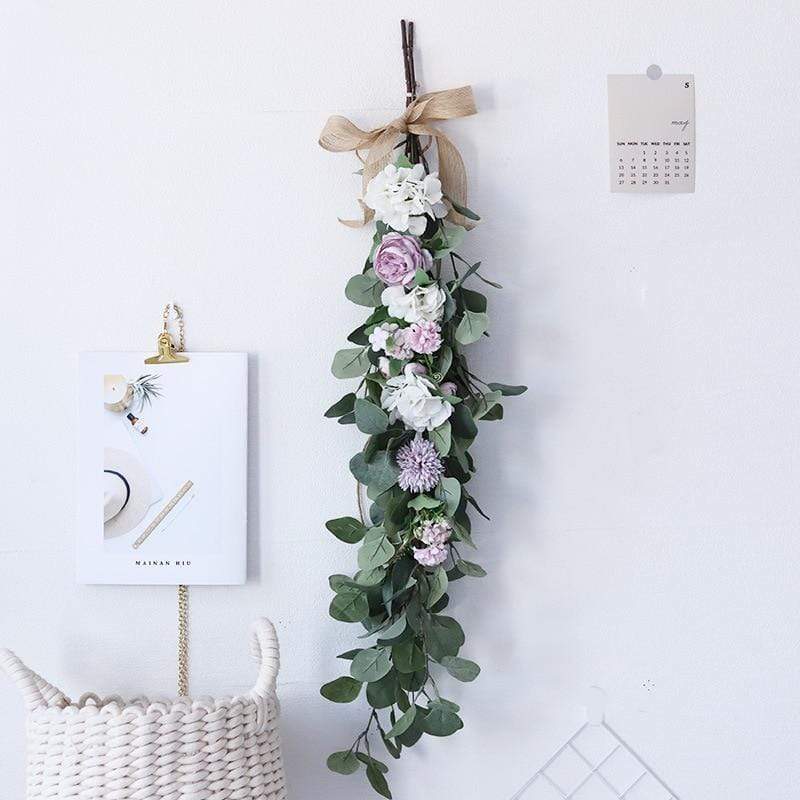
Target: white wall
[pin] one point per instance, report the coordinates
(643, 494)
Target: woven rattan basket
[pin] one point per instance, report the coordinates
(186, 749)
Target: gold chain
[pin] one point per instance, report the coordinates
(178, 318)
(183, 641)
(183, 591)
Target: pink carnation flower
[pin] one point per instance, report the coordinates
(424, 337)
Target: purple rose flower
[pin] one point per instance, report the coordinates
(398, 257)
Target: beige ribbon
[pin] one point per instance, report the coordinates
(340, 135)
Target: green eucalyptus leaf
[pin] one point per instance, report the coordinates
(370, 418)
(461, 669)
(437, 586)
(441, 720)
(341, 407)
(422, 501)
(394, 630)
(494, 413)
(350, 654)
(352, 362)
(472, 326)
(349, 605)
(470, 569)
(371, 665)
(449, 492)
(370, 577)
(347, 419)
(508, 391)
(375, 552)
(441, 438)
(474, 301)
(463, 210)
(359, 336)
(412, 734)
(421, 278)
(408, 657)
(445, 360)
(343, 762)
(443, 637)
(402, 724)
(379, 765)
(365, 290)
(381, 473)
(378, 782)
(486, 402)
(347, 529)
(382, 693)
(341, 690)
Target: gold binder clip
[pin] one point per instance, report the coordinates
(167, 351)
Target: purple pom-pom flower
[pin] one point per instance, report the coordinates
(420, 466)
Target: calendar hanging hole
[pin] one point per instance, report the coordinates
(654, 72)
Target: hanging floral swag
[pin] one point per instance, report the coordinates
(419, 403)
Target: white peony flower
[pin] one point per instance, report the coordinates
(403, 198)
(409, 397)
(421, 304)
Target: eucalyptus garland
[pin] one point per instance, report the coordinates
(419, 403)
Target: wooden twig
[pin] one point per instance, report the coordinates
(407, 33)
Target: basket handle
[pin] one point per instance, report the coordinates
(36, 691)
(264, 649)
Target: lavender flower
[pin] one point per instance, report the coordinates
(424, 337)
(430, 556)
(420, 466)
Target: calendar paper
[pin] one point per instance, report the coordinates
(651, 133)
(162, 469)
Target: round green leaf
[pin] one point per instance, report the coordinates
(472, 326)
(443, 636)
(347, 529)
(461, 668)
(344, 762)
(349, 605)
(375, 552)
(341, 690)
(441, 720)
(408, 657)
(370, 419)
(371, 665)
(351, 362)
(365, 290)
(382, 693)
(508, 391)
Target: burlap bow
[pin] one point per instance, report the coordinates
(339, 135)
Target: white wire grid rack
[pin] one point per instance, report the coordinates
(595, 764)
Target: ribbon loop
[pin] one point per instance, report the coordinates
(341, 135)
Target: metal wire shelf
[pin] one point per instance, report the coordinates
(595, 763)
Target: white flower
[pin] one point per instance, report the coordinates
(421, 304)
(403, 198)
(390, 338)
(409, 397)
